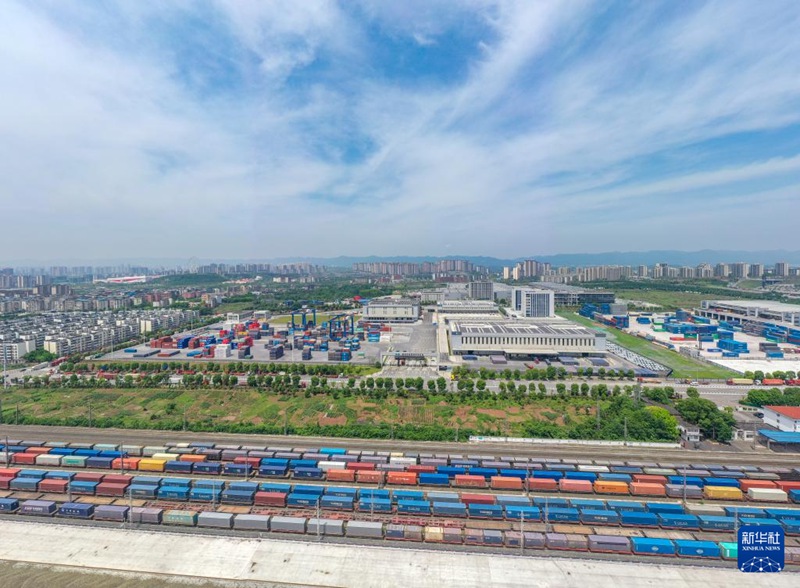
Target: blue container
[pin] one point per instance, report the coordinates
(237, 469)
(623, 470)
(414, 507)
(714, 523)
(689, 548)
(173, 493)
(76, 510)
(528, 513)
(302, 463)
(62, 451)
(791, 526)
(551, 474)
(690, 480)
(764, 521)
(273, 471)
(275, 462)
(485, 511)
(601, 517)
(725, 482)
(25, 484)
(485, 472)
(302, 500)
(515, 473)
(626, 506)
(588, 476)
(37, 474)
(205, 494)
(146, 480)
(665, 507)
(794, 495)
(745, 512)
(177, 482)
(59, 475)
(86, 452)
(638, 519)
(205, 467)
(337, 502)
(782, 513)
(238, 496)
(449, 509)
(341, 492)
(9, 505)
(315, 490)
(275, 487)
(428, 479)
(616, 477)
(569, 515)
(112, 454)
(308, 473)
(451, 471)
(399, 495)
(82, 487)
(648, 546)
(210, 484)
(679, 521)
(541, 502)
(143, 491)
(509, 500)
(178, 467)
(243, 486)
(333, 450)
(587, 503)
(375, 505)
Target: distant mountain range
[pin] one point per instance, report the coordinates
(672, 257)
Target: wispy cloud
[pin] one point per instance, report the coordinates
(495, 127)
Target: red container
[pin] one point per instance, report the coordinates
(647, 489)
(745, 485)
(9, 472)
(88, 477)
(581, 486)
(478, 498)
(111, 489)
(467, 481)
(360, 465)
(253, 461)
(125, 463)
(48, 485)
(649, 479)
(506, 483)
(24, 458)
(270, 499)
(37, 450)
(542, 484)
(5, 481)
(370, 477)
(402, 478)
(785, 486)
(341, 475)
(117, 479)
(418, 468)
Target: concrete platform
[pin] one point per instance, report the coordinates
(312, 564)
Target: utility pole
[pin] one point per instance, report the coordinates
(184, 418)
(90, 414)
(522, 532)
(6, 450)
(546, 515)
(625, 425)
(456, 433)
(684, 488)
(16, 415)
(319, 519)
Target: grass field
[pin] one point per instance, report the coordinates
(204, 409)
(234, 307)
(684, 367)
(667, 300)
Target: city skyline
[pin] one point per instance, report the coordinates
(238, 128)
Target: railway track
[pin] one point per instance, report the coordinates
(154, 437)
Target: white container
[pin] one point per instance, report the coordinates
(329, 465)
(48, 460)
(767, 495)
(167, 456)
(150, 451)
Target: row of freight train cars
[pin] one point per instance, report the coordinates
(715, 482)
(452, 505)
(599, 543)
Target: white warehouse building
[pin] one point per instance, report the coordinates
(531, 303)
(392, 310)
(523, 339)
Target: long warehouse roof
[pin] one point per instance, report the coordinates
(522, 328)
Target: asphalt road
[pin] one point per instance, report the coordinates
(648, 454)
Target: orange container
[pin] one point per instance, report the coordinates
(192, 457)
(575, 485)
(360, 465)
(341, 475)
(369, 477)
(745, 485)
(506, 483)
(402, 478)
(131, 463)
(542, 484)
(648, 489)
(467, 481)
(478, 498)
(649, 479)
(37, 450)
(785, 486)
(610, 487)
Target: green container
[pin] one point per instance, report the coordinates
(76, 461)
(186, 518)
(729, 550)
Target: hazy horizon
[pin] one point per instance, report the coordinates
(255, 130)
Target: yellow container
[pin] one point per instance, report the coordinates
(152, 465)
(434, 534)
(722, 493)
(167, 456)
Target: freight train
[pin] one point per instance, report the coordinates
(373, 530)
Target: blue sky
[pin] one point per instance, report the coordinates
(270, 129)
